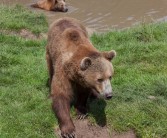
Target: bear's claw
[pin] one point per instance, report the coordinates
(82, 116)
(72, 135)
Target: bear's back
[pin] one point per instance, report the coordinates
(65, 36)
(60, 25)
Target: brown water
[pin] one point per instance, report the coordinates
(103, 15)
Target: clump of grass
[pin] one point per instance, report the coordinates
(17, 18)
(160, 88)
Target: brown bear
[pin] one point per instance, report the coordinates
(76, 69)
(51, 5)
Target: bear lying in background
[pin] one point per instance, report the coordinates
(76, 69)
(51, 5)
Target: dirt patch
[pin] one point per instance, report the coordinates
(128, 134)
(26, 34)
(29, 35)
(84, 129)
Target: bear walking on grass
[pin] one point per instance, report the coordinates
(51, 5)
(76, 69)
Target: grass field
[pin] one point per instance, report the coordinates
(139, 83)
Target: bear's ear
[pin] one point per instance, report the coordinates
(72, 34)
(109, 55)
(85, 63)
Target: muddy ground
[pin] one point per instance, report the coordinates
(84, 129)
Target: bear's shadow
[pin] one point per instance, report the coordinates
(97, 110)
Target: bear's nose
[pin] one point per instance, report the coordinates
(108, 96)
(66, 9)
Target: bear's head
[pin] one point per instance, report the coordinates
(87, 66)
(96, 71)
(60, 5)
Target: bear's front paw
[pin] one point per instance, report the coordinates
(81, 112)
(72, 135)
(68, 132)
(82, 116)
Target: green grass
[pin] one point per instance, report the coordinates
(140, 71)
(25, 110)
(17, 18)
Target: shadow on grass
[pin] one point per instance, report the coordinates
(97, 109)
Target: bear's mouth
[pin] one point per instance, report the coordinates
(60, 9)
(96, 93)
(99, 95)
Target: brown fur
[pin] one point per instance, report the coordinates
(67, 46)
(51, 5)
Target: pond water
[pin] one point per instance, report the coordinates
(103, 15)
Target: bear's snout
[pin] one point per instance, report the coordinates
(62, 9)
(65, 10)
(107, 90)
(108, 96)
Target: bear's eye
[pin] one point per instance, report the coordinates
(100, 80)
